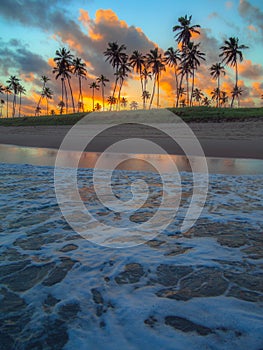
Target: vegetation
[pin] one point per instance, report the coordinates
(188, 114)
(185, 60)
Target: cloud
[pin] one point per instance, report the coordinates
(250, 71)
(251, 14)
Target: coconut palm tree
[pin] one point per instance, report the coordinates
(123, 102)
(44, 80)
(48, 95)
(185, 30)
(111, 100)
(2, 90)
(223, 98)
(122, 73)
(37, 111)
(94, 86)
(134, 105)
(198, 95)
(146, 74)
(21, 90)
(232, 53)
(79, 69)
(61, 106)
(137, 61)
(8, 92)
(102, 80)
(155, 61)
(98, 107)
(2, 102)
(115, 54)
(63, 69)
(145, 96)
(216, 70)
(172, 57)
(206, 101)
(236, 93)
(13, 84)
(215, 95)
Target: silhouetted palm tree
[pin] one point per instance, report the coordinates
(13, 84)
(94, 86)
(115, 54)
(44, 80)
(61, 106)
(231, 53)
(185, 30)
(172, 57)
(223, 98)
(146, 74)
(206, 101)
(145, 96)
(216, 70)
(134, 105)
(79, 69)
(215, 94)
(8, 92)
(122, 73)
(21, 90)
(236, 93)
(64, 61)
(111, 100)
(198, 95)
(48, 95)
(123, 102)
(137, 61)
(155, 61)
(102, 80)
(37, 111)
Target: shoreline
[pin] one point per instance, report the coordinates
(222, 140)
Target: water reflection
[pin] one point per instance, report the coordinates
(44, 156)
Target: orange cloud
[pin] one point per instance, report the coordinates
(252, 28)
(250, 71)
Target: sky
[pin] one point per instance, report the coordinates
(32, 30)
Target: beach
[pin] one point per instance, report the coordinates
(225, 139)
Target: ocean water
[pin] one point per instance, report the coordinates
(199, 290)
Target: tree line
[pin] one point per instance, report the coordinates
(185, 60)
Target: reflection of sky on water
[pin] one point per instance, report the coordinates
(44, 156)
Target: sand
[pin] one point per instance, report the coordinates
(226, 139)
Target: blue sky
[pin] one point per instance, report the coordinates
(32, 30)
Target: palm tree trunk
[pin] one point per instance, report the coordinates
(7, 105)
(14, 106)
(179, 89)
(158, 89)
(19, 111)
(71, 93)
(153, 92)
(192, 90)
(102, 92)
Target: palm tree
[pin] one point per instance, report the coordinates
(123, 102)
(63, 69)
(61, 106)
(94, 86)
(206, 101)
(13, 83)
(115, 54)
(2, 102)
(146, 74)
(37, 111)
(236, 93)
(102, 80)
(223, 98)
(98, 107)
(137, 61)
(191, 56)
(185, 30)
(8, 92)
(198, 95)
(145, 96)
(216, 70)
(48, 94)
(21, 90)
(215, 94)
(134, 105)
(231, 53)
(111, 101)
(155, 61)
(79, 69)
(171, 58)
(122, 74)
(44, 80)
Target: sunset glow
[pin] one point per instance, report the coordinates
(33, 31)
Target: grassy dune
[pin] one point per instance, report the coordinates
(188, 114)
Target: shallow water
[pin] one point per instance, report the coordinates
(198, 290)
(44, 156)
